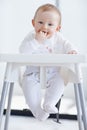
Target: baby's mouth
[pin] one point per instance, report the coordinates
(44, 32)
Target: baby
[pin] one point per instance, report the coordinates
(46, 38)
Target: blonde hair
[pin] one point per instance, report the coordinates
(48, 7)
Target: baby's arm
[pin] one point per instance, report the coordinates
(29, 44)
(69, 48)
(64, 46)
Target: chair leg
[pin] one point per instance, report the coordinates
(78, 105)
(83, 105)
(3, 100)
(58, 106)
(9, 106)
(80, 102)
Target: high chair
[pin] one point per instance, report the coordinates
(15, 61)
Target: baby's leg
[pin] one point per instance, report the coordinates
(54, 91)
(32, 92)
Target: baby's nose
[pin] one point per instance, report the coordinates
(45, 26)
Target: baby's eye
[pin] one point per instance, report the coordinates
(40, 22)
(50, 24)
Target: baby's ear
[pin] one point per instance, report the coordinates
(58, 28)
(33, 23)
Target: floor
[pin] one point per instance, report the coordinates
(30, 123)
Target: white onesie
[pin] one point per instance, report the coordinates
(54, 82)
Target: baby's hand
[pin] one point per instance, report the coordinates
(72, 52)
(41, 36)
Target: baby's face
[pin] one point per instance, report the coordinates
(47, 23)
